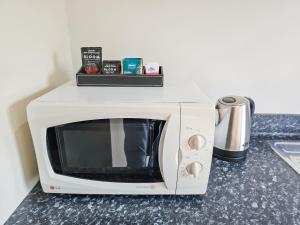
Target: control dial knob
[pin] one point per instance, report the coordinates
(196, 142)
(194, 169)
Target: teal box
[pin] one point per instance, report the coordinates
(132, 66)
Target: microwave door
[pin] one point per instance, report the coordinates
(118, 150)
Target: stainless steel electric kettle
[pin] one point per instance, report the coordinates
(233, 124)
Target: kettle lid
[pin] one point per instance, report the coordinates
(233, 100)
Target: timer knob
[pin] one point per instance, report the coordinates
(194, 169)
(196, 142)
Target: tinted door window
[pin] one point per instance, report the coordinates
(120, 150)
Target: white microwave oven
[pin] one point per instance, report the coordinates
(123, 140)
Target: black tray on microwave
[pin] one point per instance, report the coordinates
(120, 80)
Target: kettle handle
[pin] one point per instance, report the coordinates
(252, 105)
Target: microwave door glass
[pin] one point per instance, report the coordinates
(119, 150)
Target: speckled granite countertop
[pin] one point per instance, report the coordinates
(261, 190)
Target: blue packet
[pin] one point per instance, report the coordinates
(132, 66)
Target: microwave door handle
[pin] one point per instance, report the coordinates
(165, 152)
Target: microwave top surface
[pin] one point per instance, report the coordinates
(176, 92)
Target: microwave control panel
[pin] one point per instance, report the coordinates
(196, 146)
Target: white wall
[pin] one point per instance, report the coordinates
(34, 57)
(229, 47)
